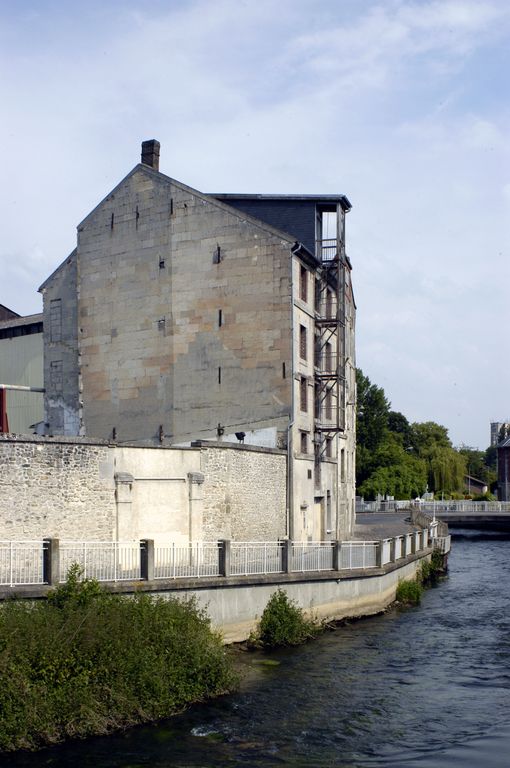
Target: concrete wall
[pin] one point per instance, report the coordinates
(77, 489)
(236, 610)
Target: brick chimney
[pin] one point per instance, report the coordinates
(150, 153)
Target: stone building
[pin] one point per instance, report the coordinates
(504, 470)
(184, 317)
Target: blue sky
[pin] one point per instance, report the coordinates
(403, 106)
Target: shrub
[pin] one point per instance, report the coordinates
(409, 592)
(283, 623)
(87, 662)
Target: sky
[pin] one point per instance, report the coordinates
(402, 105)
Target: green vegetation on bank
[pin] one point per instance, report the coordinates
(403, 460)
(283, 623)
(410, 592)
(87, 662)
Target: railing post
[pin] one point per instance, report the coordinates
(286, 555)
(51, 561)
(224, 556)
(393, 550)
(413, 543)
(337, 555)
(379, 554)
(147, 559)
(405, 545)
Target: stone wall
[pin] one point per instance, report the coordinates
(60, 489)
(78, 489)
(244, 493)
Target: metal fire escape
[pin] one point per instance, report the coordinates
(330, 382)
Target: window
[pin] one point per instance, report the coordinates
(329, 447)
(329, 405)
(329, 303)
(56, 320)
(303, 442)
(303, 283)
(342, 465)
(302, 342)
(328, 356)
(303, 394)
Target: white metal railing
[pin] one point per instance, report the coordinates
(311, 556)
(358, 554)
(443, 544)
(181, 561)
(101, 560)
(381, 506)
(386, 551)
(466, 507)
(252, 557)
(21, 562)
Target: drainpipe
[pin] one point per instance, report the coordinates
(290, 440)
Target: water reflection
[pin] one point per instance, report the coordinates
(425, 687)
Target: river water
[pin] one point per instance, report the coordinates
(426, 687)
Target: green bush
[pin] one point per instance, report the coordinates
(409, 592)
(283, 623)
(87, 662)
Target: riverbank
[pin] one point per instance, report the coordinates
(86, 662)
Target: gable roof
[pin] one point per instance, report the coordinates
(141, 167)
(55, 271)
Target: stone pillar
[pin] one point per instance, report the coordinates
(413, 543)
(196, 505)
(123, 499)
(147, 559)
(286, 555)
(337, 555)
(224, 555)
(379, 555)
(51, 562)
(393, 550)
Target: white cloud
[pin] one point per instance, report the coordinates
(387, 102)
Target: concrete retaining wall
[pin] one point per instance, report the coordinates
(237, 610)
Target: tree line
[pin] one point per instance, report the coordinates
(401, 459)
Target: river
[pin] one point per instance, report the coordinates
(425, 687)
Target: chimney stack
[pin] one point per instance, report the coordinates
(150, 153)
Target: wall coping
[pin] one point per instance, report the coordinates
(202, 444)
(13, 438)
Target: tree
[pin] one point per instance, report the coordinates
(426, 435)
(371, 423)
(372, 412)
(391, 471)
(398, 424)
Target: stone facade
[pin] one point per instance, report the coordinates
(84, 490)
(182, 317)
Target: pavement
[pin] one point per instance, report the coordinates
(382, 525)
